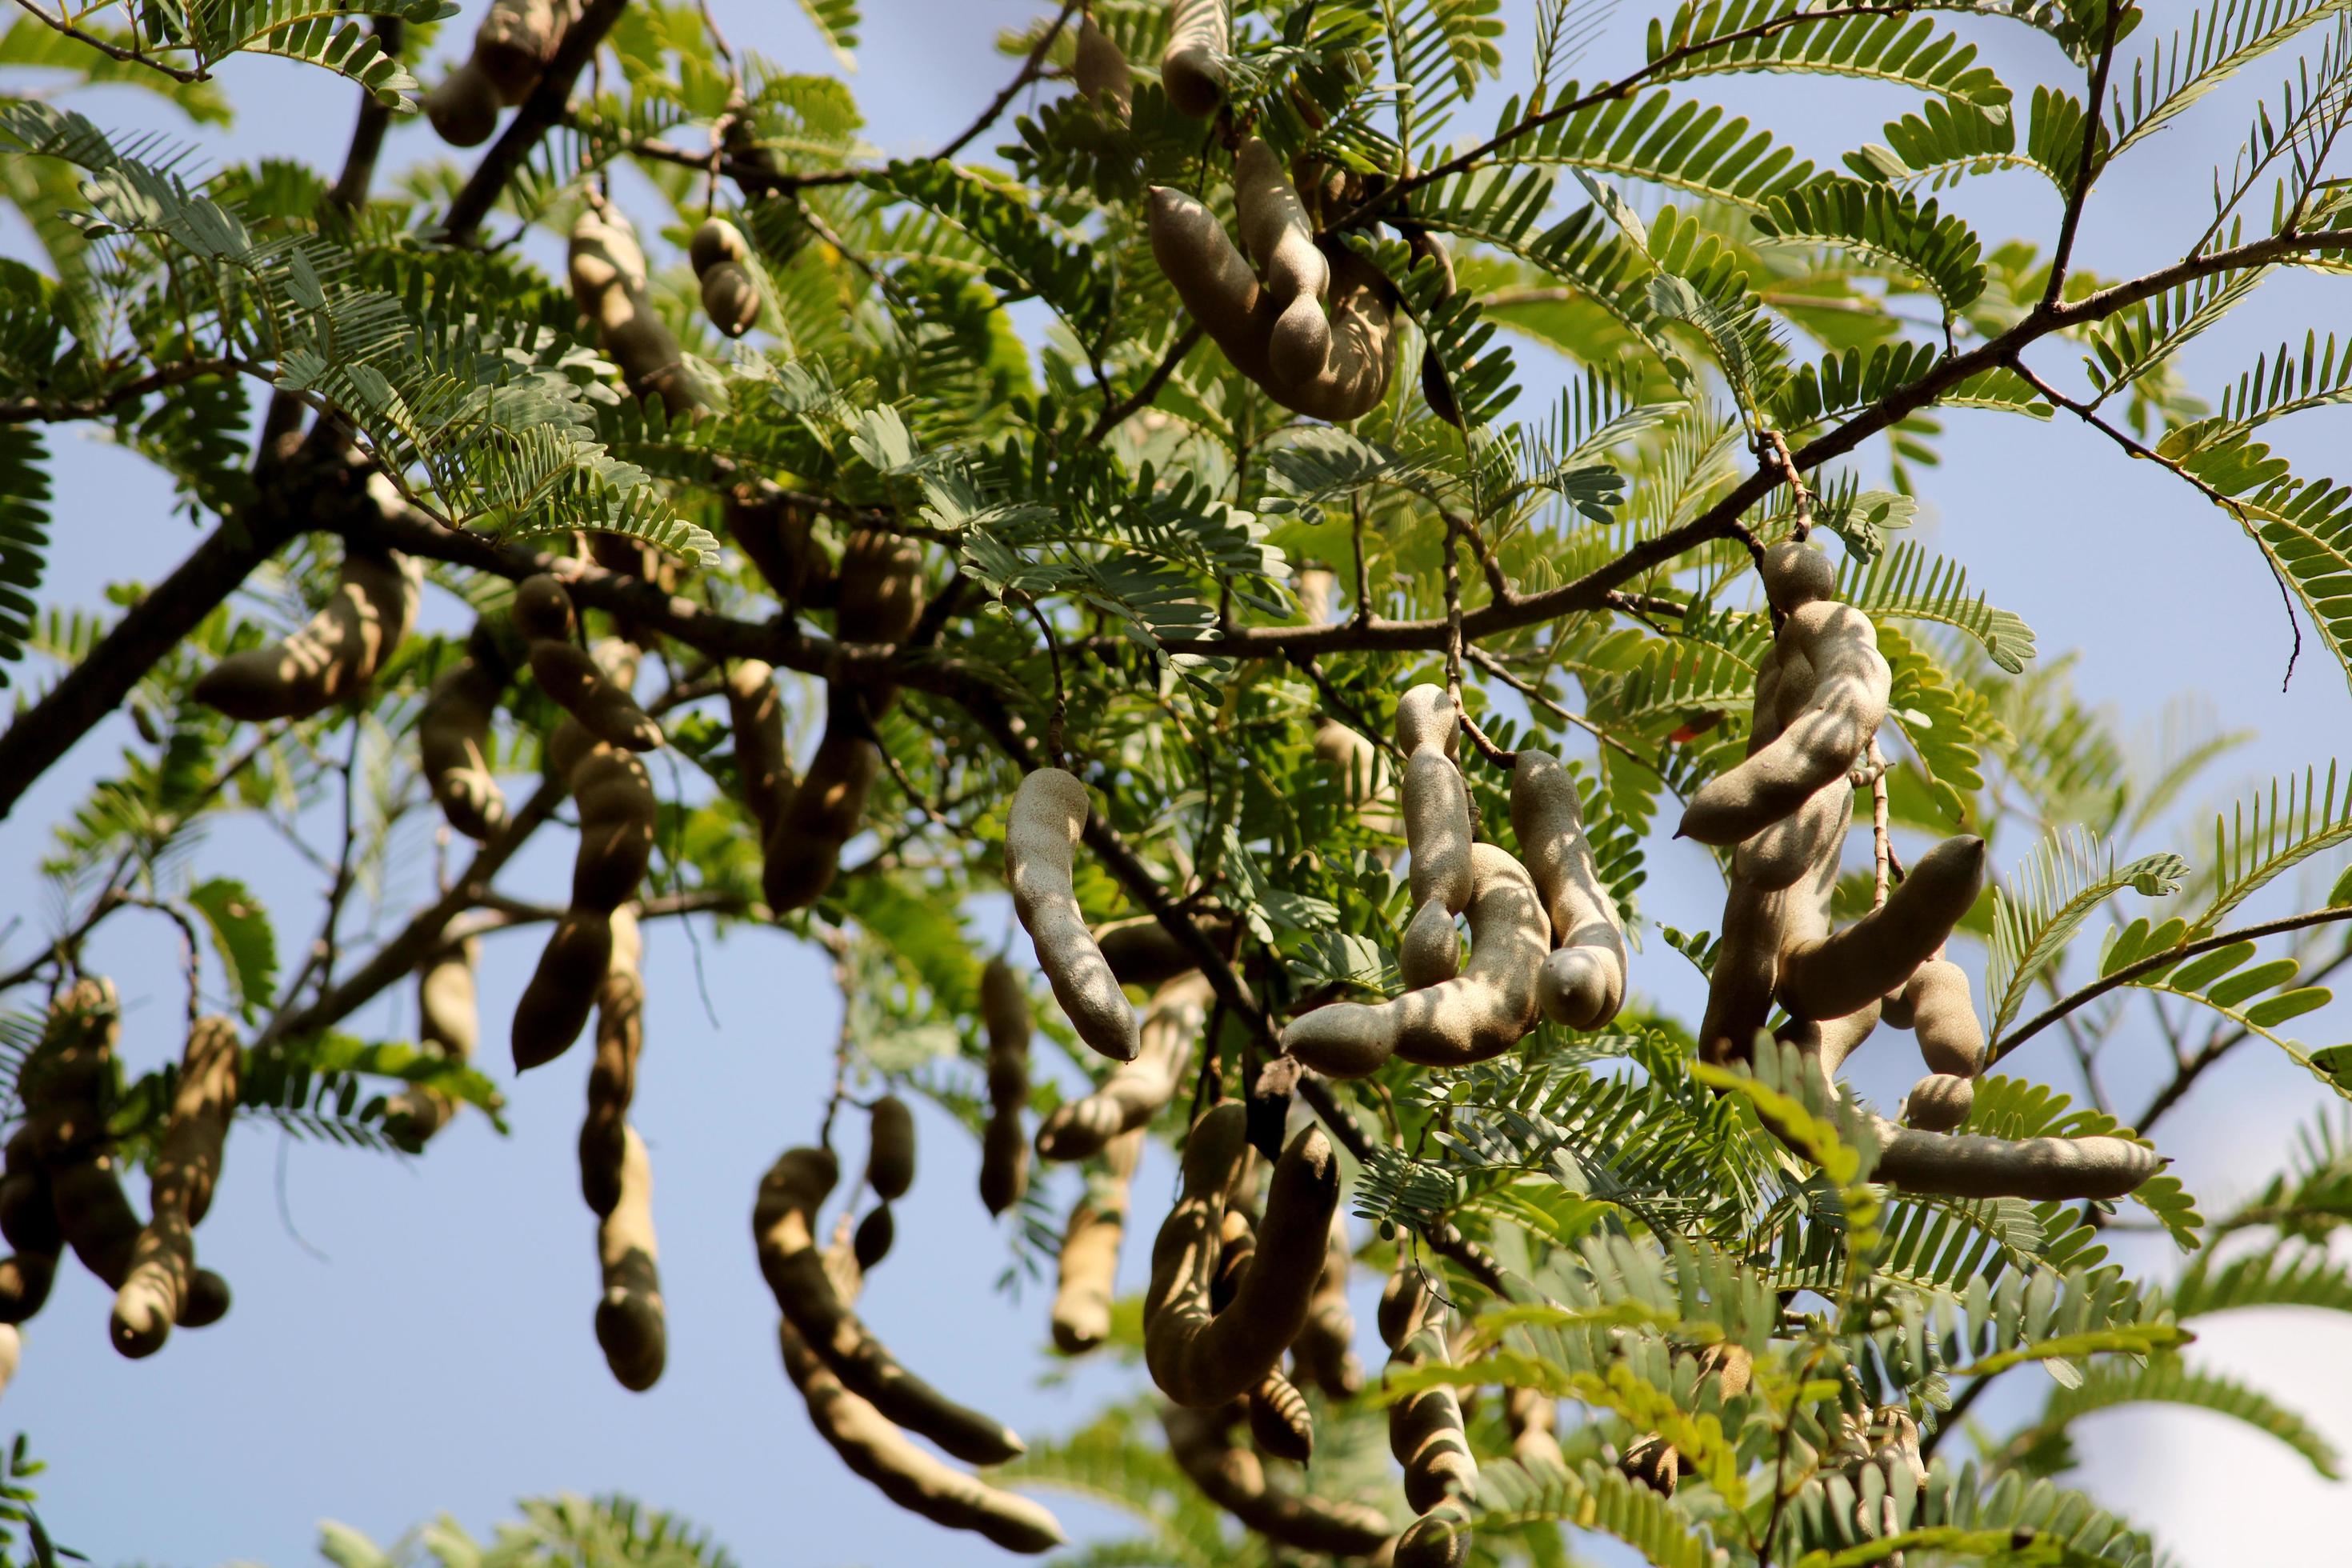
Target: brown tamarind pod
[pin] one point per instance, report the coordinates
(1438, 1539)
(617, 815)
(730, 297)
(1940, 1102)
(1139, 1091)
(554, 1004)
(1355, 376)
(464, 106)
(1200, 1357)
(1144, 953)
(756, 714)
(774, 535)
(1435, 389)
(28, 1218)
(1532, 1418)
(823, 811)
(1780, 854)
(570, 673)
(1425, 1428)
(1089, 1259)
(1040, 835)
(1483, 1012)
(453, 731)
(1193, 68)
(890, 1152)
(1436, 831)
(1583, 980)
(1279, 1422)
(334, 655)
(1276, 234)
(613, 1076)
(608, 281)
(1233, 1478)
(1654, 1463)
(449, 1023)
(1830, 721)
(1944, 1019)
(1100, 69)
(1326, 1346)
(187, 1164)
(630, 1328)
(1005, 1152)
(1215, 281)
(874, 1233)
(1405, 1303)
(1963, 1166)
(1759, 927)
(514, 42)
(1833, 976)
(877, 1450)
(878, 599)
(784, 1224)
(1796, 574)
(25, 1281)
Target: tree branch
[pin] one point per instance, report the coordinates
(351, 192)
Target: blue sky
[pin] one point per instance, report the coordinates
(411, 1337)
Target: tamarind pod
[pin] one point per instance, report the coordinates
(1795, 574)
(1653, 1462)
(877, 1451)
(617, 815)
(730, 297)
(1489, 1008)
(756, 714)
(516, 40)
(12, 1354)
(804, 852)
(774, 535)
(1951, 1039)
(452, 741)
(1199, 1357)
(448, 1021)
(1279, 1421)
(613, 1076)
(1940, 1102)
(463, 107)
(28, 1217)
(784, 1224)
(1041, 832)
(25, 1281)
(891, 1153)
(1233, 1478)
(1276, 234)
(1429, 951)
(1833, 976)
(881, 594)
(1844, 708)
(1090, 1259)
(1782, 853)
(1436, 390)
(1100, 68)
(1582, 984)
(874, 1233)
(1005, 1152)
(1236, 1245)
(1532, 1419)
(1193, 68)
(96, 1216)
(553, 1008)
(1326, 1346)
(1964, 1165)
(630, 1326)
(1138, 1091)
(541, 609)
(573, 681)
(716, 242)
(1143, 953)
(1830, 1041)
(187, 1164)
(1355, 373)
(1436, 804)
(1425, 1428)
(1214, 280)
(607, 270)
(337, 652)
(206, 1302)
(1438, 1539)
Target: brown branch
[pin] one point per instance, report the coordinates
(112, 51)
(2086, 165)
(544, 107)
(40, 411)
(1028, 73)
(1116, 413)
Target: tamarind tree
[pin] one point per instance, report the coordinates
(1156, 519)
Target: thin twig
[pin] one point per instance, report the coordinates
(1028, 72)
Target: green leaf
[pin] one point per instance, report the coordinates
(1699, 40)
(837, 22)
(1909, 583)
(1886, 227)
(2068, 875)
(243, 935)
(24, 537)
(2169, 1380)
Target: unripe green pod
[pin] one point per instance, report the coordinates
(335, 654)
(1199, 1357)
(1275, 232)
(1193, 68)
(1483, 1012)
(890, 1152)
(1831, 976)
(1048, 815)
(1583, 980)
